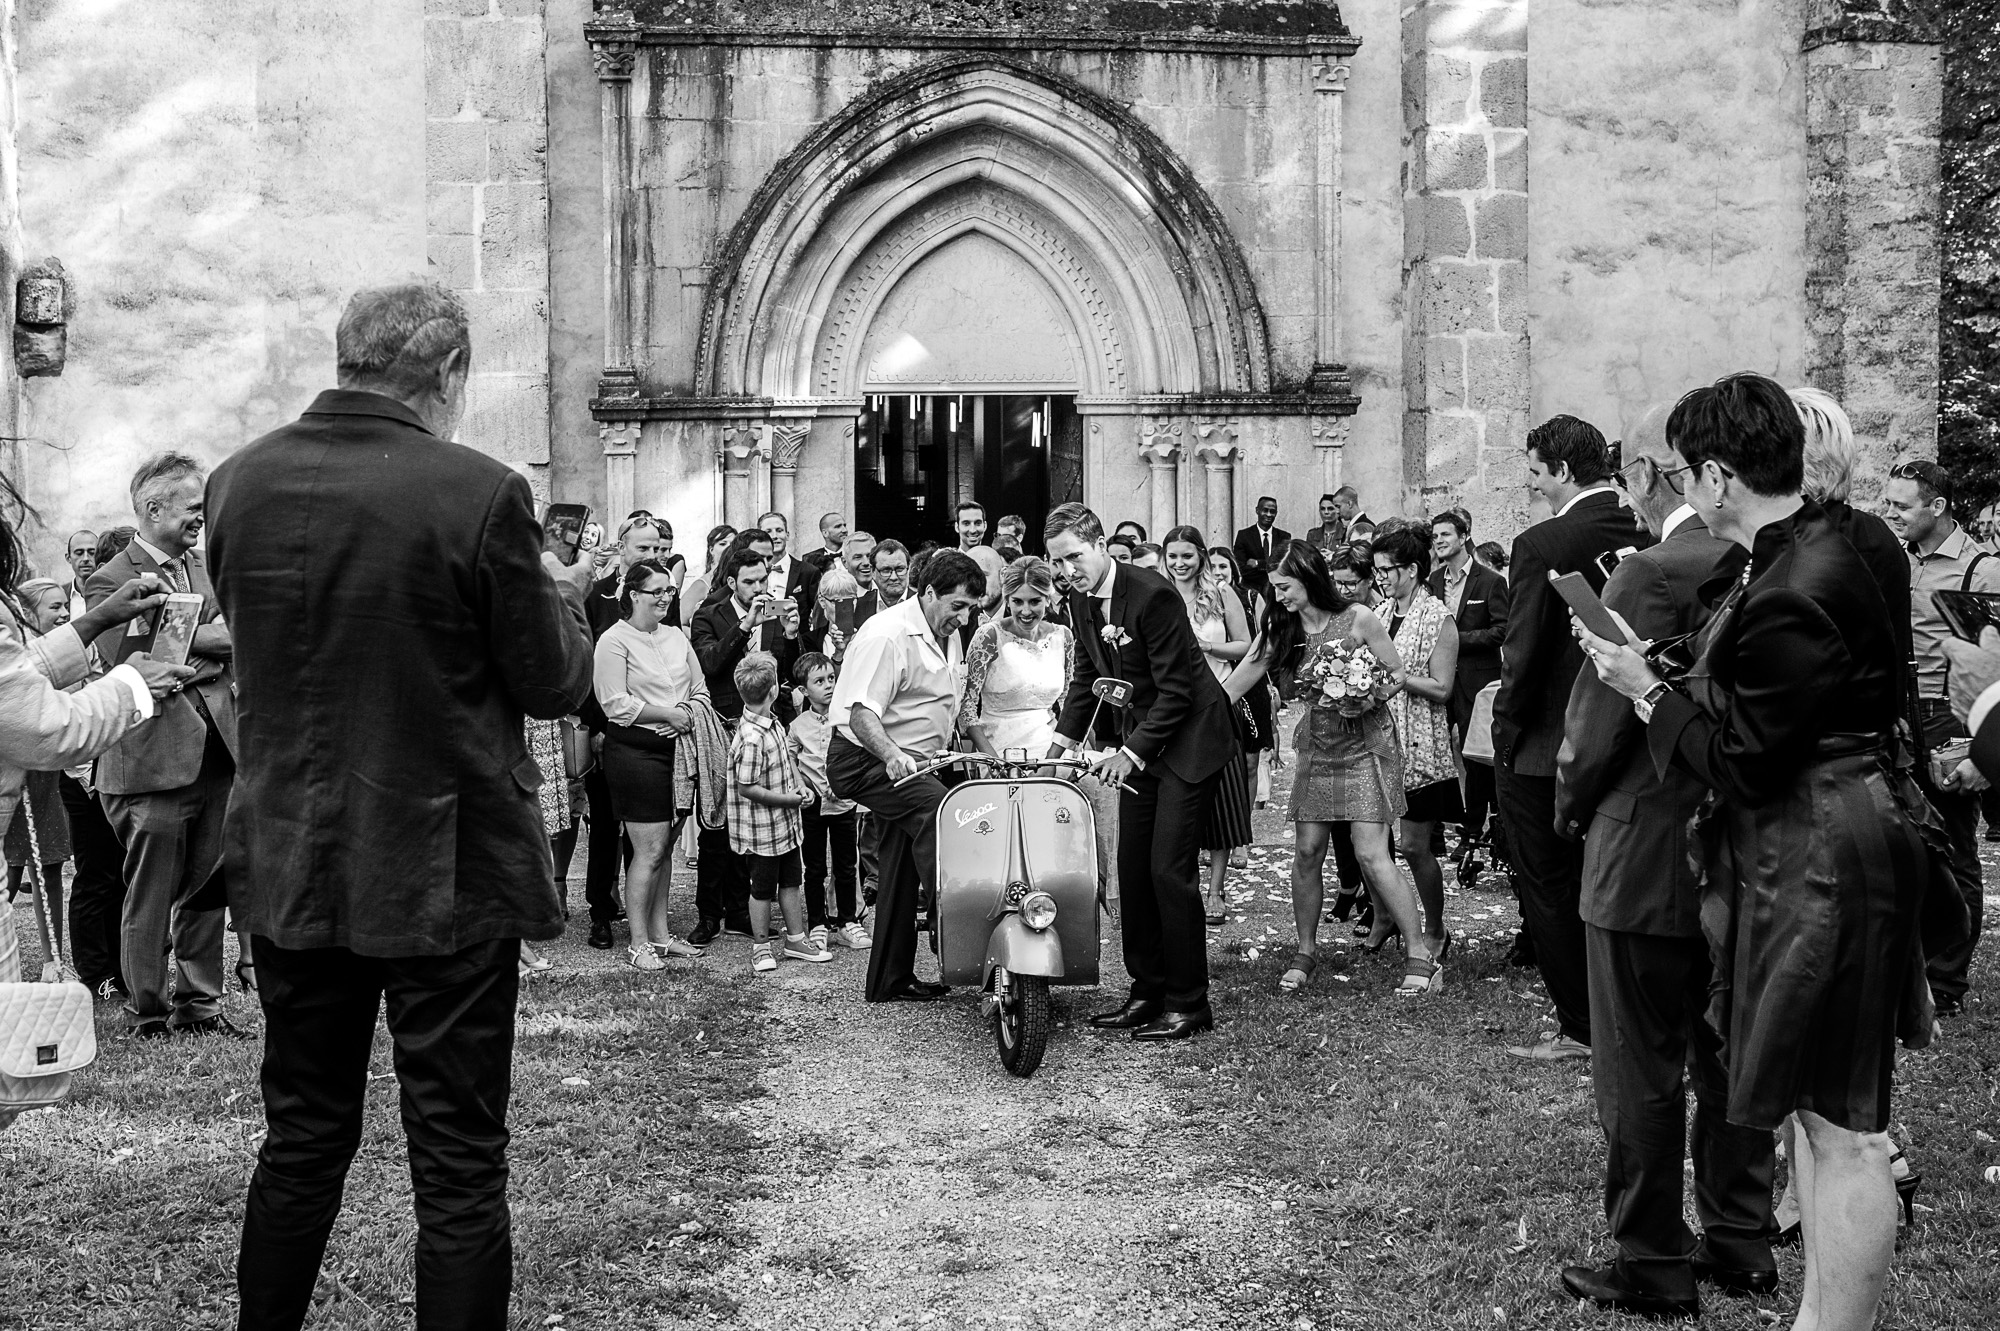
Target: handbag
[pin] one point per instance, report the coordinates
(577, 757)
(48, 1030)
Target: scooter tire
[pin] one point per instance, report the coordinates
(1023, 1035)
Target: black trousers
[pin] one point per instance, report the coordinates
(1548, 873)
(1959, 812)
(601, 870)
(452, 1022)
(1159, 885)
(721, 881)
(907, 817)
(97, 892)
(1647, 998)
(829, 838)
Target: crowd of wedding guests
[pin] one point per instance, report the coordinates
(1743, 833)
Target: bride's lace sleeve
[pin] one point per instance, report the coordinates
(979, 658)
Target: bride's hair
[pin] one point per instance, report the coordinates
(1027, 571)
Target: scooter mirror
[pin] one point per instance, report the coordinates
(1117, 692)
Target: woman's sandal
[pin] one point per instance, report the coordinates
(1302, 968)
(1421, 975)
(679, 947)
(644, 958)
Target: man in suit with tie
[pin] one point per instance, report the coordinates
(1476, 597)
(1179, 741)
(1648, 962)
(165, 787)
(1260, 546)
(791, 576)
(1569, 466)
(891, 562)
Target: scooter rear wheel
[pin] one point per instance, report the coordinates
(1022, 1028)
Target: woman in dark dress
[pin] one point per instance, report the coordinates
(1814, 863)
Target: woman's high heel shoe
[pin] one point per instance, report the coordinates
(246, 976)
(1906, 1188)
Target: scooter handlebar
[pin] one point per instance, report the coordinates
(988, 760)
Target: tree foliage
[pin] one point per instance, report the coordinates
(1969, 311)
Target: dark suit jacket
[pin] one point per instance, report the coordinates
(165, 755)
(1179, 715)
(1249, 548)
(393, 625)
(1986, 747)
(866, 605)
(720, 641)
(1540, 658)
(1634, 820)
(1482, 627)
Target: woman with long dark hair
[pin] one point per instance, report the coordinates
(694, 593)
(1349, 767)
(1817, 850)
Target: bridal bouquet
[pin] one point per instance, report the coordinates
(1349, 680)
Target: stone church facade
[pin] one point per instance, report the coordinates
(1165, 257)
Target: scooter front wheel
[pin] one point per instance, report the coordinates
(1021, 1025)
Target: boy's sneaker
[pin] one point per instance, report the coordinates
(806, 948)
(764, 958)
(854, 936)
(819, 934)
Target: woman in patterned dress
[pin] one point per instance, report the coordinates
(1349, 768)
(1426, 637)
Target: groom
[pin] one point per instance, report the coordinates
(1130, 624)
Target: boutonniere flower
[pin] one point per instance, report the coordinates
(1114, 635)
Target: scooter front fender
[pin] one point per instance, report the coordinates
(1022, 950)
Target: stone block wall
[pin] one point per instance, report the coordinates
(1465, 250)
(486, 152)
(1872, 277)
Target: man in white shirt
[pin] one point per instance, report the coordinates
(970, 522)
(895, 704)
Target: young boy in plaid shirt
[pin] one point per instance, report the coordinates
(766, 794)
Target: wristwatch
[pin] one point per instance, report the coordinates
(1645, 703)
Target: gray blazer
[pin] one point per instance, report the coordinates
(1633, 821)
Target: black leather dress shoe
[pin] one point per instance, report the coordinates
(917, 991)
(1136, 1012)
(216, 1025)
(1172, 1025)
(600, 935)
(1601, 1285)
(706, 932)
(1733, 1279)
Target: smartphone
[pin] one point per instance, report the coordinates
(1968, 612)
(179, 618)
(563, 525)
(1575, 589)
(843, 615)
(1611, 559)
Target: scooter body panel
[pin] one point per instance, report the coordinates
(1024, 951)
(976, 840)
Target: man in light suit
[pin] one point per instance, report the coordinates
(165, 787)
(1649, 967)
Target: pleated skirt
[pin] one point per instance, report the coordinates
(1227, 822)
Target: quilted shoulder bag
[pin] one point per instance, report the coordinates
(48, 1030)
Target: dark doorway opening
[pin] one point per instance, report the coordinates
(917, 456)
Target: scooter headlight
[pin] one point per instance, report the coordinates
(1038, 910)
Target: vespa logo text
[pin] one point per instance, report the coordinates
(964, 816)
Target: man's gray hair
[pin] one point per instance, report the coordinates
(395, 336)
(1830, 451)
(160, 473)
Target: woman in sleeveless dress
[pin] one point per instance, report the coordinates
(1259, 735)
(1349, 768)
(1426, 637)
(1222, 633)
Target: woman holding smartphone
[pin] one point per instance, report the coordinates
(647, 678)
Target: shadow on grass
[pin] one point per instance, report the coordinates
(123, 1209)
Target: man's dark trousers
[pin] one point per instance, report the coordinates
(907, 815)
(452, 1021)
(1959, 812)
(602, 870)
(97, 893)
(1648, 995)
(1160, 910)
(1548, 874)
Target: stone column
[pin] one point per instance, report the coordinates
(621, 442)
(1160, 445)
(1329, 373)
(1874, 102)
(743, 446)
(788, 440)
(1217, 451)
(614, 48)
(1329, 438)
(1465, 247)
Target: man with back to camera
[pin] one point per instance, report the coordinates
(1649, 970)
(894, 704)
(1010, 537)
(165, 787)
(385, 842)
(1916, 503)
(1569, 466)
(638, 539)
(1260, 546)
(1179, 739)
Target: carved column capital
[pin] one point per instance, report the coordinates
(741, 441)
(618, 436)
(614, 44)
(1330, 431)
(1159, 440)
(1216, 444)
(1329, 74)
(788, 440)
